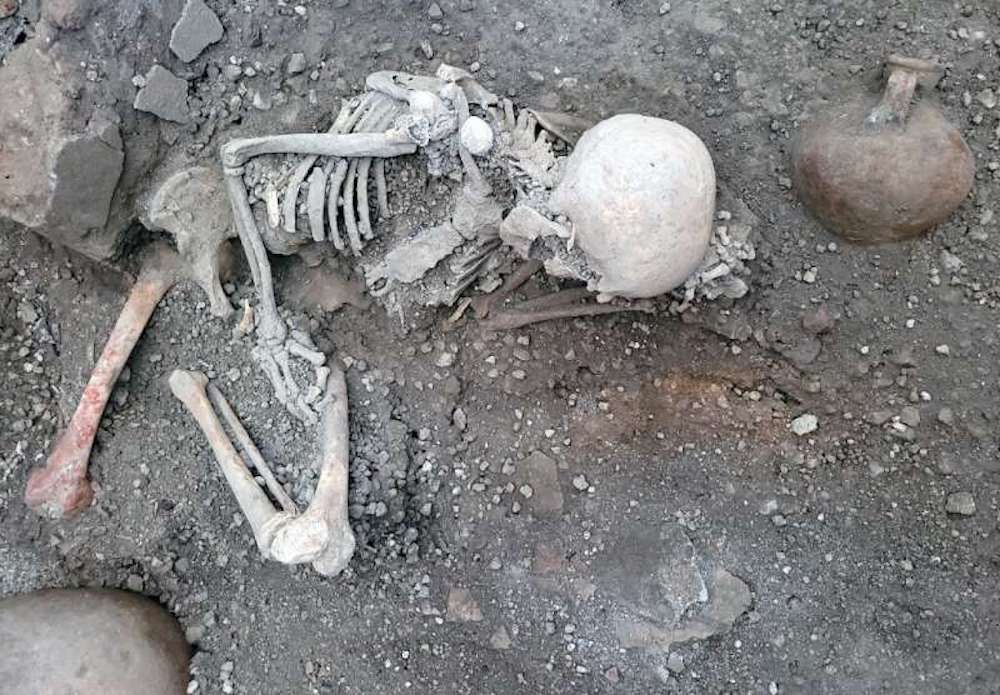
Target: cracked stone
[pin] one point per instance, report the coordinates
(164, 96)
(197, 28)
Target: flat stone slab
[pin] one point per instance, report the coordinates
(197, 29)
(164, 95)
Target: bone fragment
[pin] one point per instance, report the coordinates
(393, 143)
(336, 181)
(61, 488)
(340, 125)
(364, 167)
(273, 207)
(246, 323)
(192, 207)
(359, 228)
(222, 406)
(271, 325)
(400, 85)
(349, 219)
(317, 358)
(315, 202)
(364, 218)
(380, 188)
(552, 307)
(483, 304)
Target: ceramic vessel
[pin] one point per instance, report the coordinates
(889, 170)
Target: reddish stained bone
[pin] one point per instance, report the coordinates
(61, 488)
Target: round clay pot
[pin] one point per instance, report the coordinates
(885, 171)
(68, 641)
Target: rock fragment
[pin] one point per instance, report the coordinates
(412, 259)
(66, 14)
(675, 663)
(197, 29)
(462, 608)
(296, 64)
(542, 478)
(961, 504)
(164, 95)
(818, 321)
(805, 424)
(59, 176)
(500, 640)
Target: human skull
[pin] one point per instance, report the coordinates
(639, 197)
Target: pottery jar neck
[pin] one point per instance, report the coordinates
(904, 76)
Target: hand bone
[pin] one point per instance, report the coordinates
(61, 488)
(322, 534)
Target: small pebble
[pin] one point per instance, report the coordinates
(805, 424)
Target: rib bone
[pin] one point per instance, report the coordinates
(61, 488)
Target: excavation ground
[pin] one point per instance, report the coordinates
(502, 480)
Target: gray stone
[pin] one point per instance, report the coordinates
(59, 176)
(462, 608)
(164, 96)
(961, 504)
(59, 641)
(654, 571)
(818, 321)
(730, 598)
(197, 29)
(675, 662)
(67, 14)
(909, 416)
(541, 476)
(500, 639)
(296, 64)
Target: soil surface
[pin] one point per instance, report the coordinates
(611, 505)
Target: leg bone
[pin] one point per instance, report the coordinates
(189, 388)
(221, 405)
(61, 489)
(322, 534)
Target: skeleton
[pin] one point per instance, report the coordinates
(453, 121)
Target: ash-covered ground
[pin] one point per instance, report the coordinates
(613, 505)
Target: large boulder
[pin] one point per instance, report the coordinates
(59, 177)
(90, 641)
(73, 151)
